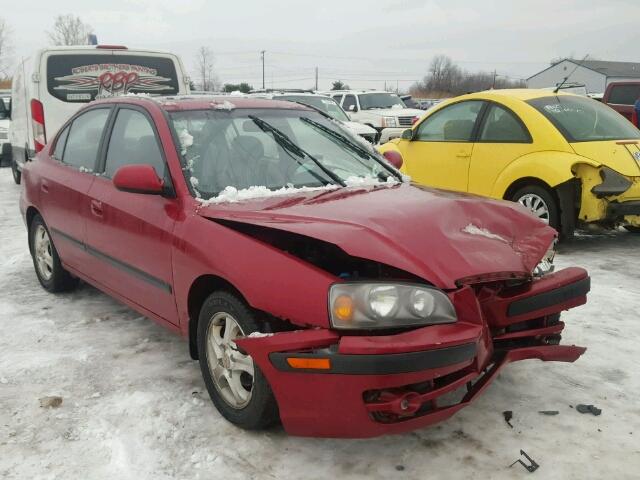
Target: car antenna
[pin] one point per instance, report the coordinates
(572, 72)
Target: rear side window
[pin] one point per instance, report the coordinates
(349, 101)
(133, 142)
(83, 140)
(60, 143)
(624, 94)
(502, 126)
(82, 78)
(454, 123)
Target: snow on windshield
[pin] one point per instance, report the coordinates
(232, 194)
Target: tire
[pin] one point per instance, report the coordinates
(535, 196)
(46, 262)
(219, 313)
(17, 174)
(632, 228)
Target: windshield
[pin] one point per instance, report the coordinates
(584, 120)
(271, 148)
(369, 101)
(326, 104)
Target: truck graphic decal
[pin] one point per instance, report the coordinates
(110, 79)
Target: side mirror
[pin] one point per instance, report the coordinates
(138, 179)
(394, 158)
(407, 134)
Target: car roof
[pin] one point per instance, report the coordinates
(523, 94)
(205, 102)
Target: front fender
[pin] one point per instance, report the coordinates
(551, 167)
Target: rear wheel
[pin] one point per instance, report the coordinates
(541, 202)
(50, 272)
(237, 387)
(17, 174)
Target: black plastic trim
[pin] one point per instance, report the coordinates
(550, 298)
(380, 364)
(125, 267)
(621, 209)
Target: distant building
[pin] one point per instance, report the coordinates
(594, 74)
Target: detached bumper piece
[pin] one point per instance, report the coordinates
(328, 385)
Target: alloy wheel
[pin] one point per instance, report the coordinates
(231, 370)
(537, 205)
(42, 249)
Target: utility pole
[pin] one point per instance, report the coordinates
(262, 56)
(397, 87)
(316, 79)
(494, 79)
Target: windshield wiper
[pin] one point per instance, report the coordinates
(361, 151)
(288, 144)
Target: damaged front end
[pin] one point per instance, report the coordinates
(332, 383)
(460, 298)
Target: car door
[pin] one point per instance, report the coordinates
(502, 138)
(65, 184)
(439, 154)
(130, 235)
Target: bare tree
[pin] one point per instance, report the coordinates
(5, 49)
(444, 74)
(204, 64)
(69, 30)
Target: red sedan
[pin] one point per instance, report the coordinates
(314, 283)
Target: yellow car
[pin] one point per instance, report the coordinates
(570, 159)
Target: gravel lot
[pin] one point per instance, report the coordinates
(134, 405)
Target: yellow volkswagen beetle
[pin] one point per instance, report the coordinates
(570, 159)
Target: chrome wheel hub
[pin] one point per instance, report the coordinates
(537, 205)
(232, 371)
(42, 250)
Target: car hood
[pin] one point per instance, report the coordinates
(617, 155)
(396, 112)
(359, 128)
(438, 235)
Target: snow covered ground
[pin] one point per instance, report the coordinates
(134, 405)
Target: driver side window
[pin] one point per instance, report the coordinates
(349, 102)
(454, 123)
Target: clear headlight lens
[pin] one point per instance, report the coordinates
(389, 122)
(546, 264)
(387, 305)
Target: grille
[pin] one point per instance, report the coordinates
(405, 121)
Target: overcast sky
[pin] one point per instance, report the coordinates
(364, 43)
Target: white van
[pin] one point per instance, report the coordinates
(50, 86)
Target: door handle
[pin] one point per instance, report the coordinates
(96, 208)
(44, 186)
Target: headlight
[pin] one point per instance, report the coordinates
(387, 305)
(389, 122)
(546, 264)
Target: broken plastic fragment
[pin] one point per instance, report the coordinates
(530, 468)
(549, 412)
(588, 409)
(508, 415)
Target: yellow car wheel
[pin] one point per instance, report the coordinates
(541, 202)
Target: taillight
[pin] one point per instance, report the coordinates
(37, 120)
(634, 117)
(415, 120)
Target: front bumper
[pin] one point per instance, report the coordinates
(395, 383)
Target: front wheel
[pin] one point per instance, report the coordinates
(541, 202)
(49, 270)
(236, 385)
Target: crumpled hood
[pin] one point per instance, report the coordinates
(438, 235)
